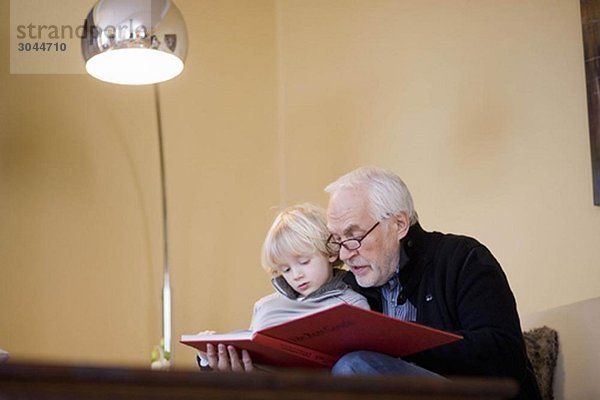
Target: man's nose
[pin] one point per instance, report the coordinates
(346, 254)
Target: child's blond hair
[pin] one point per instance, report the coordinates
(297, 230)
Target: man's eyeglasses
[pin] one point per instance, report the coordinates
(348, 244)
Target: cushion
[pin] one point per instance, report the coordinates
(542, 349)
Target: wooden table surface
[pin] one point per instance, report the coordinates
(44, 381)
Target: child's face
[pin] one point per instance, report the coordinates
(305, 273)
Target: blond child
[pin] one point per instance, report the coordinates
(304, 271)
(305, 275)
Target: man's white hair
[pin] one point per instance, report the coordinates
(388, 194)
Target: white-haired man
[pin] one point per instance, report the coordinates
(447, 282)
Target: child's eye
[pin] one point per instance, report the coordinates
(284, 269)
(304, 261)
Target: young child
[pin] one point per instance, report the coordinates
(304, 271)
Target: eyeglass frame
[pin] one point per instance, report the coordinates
(343, 242)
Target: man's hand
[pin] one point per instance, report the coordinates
(226, 358)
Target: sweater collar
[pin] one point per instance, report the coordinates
(413, 246)
(332, 287)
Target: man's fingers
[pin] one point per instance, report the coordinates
(226, 358)
(247, 361)
(223, 364)
(211, 356)
(236, 365)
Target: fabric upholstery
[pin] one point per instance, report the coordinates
(542, 349)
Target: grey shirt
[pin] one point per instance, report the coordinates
(285, 304)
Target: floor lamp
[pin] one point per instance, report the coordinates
(140, 42)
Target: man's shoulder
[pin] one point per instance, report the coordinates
(454, 239)
(440, 244)
(448, 239)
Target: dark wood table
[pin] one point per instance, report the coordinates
(49, 382)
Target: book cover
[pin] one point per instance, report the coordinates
(320, 339)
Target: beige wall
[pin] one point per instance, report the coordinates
(479, 106)
(81, 250)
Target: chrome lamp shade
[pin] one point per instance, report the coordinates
(134, 42)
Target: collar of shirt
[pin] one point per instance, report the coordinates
(390, 292)
(395, 279)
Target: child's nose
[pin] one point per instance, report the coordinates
(298, 274)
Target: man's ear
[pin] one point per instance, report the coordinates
(402, 224)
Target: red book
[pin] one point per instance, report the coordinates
(320, 339)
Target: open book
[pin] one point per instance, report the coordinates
(320, 339)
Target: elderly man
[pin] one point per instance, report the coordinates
(447, 282)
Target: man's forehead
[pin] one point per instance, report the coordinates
(346, 207)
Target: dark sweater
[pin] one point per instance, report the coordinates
(457, 285)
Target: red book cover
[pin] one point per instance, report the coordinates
(320, 339)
